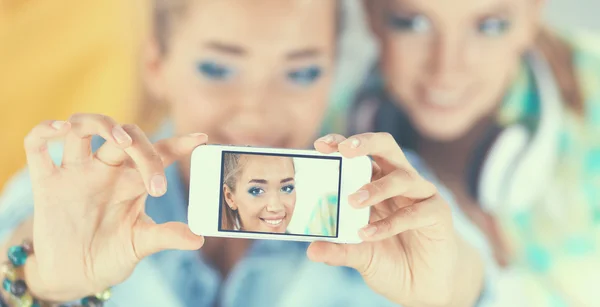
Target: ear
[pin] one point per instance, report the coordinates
(152, 70)
(228, 194)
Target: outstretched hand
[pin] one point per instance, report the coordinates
(90, 227)
(410, 252)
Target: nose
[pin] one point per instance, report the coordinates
(447, 58)
(256, 117)
(256, 92)
(275, 204)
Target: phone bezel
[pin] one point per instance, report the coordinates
(206, 165)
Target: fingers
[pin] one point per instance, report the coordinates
(350, 255)
(397, 183)
(84, 126)
(112, 155)
(428, 213)
(329, 143)
(381, 146)
(169, 150)
(376, 171)
(173, 149)
(36, 147)
(153, 238)
(147, 161)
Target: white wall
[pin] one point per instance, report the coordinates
(315, 178)
(582, 14)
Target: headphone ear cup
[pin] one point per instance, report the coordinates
(499, 167)
(477, 160)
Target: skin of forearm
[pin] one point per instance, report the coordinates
(470, 276)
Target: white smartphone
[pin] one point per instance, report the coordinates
(277, 194)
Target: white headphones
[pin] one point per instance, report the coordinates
(519, 164)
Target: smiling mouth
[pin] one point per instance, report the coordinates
(273, 222)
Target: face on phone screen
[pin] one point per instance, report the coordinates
(280, 194)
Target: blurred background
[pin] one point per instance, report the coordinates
(67, 56)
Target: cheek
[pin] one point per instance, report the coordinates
(404, 61)
(406, 55)
(250, 205)
(496, 70)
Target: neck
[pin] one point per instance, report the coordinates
(450, 160)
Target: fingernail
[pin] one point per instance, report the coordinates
(369, 230)
(120, 135)
(328, 139)
(158, 185)
(360, 197)
(354, 143)
(198, 135)
(58, 124)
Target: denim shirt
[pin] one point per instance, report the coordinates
(272, 273)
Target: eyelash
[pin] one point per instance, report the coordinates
(305, 76)
(417, 23)
(501, 26)
(288, 187)
(215, 71)
(420, 24)
(254, 191)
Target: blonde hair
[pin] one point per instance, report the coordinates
(232, 168)
(165, 14)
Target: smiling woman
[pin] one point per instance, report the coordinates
(258, 193)
(504, 111)
(279, 194)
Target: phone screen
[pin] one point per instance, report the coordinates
(280, 194)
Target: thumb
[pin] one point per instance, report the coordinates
(154, 238)
(349, 255)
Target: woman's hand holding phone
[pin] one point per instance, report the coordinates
(90, 229)
(411, 253)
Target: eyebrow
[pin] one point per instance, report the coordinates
(287, 180)
(303, 54)
(236, 50)
(226, 48)
(498, 9)
(412, 7)
(263, 181)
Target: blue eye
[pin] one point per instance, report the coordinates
(493, 26)
(288, 189)
(305, 76)
(255, 191)
(417, 23)
(214, 70)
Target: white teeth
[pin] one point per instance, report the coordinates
(443, 98)
(273, 222)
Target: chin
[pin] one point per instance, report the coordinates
(441, 131)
